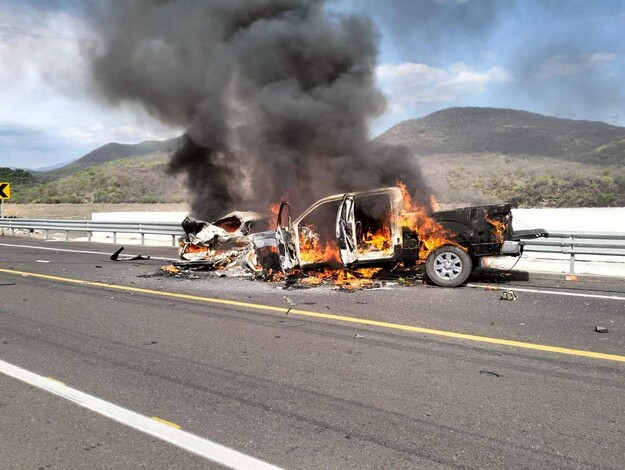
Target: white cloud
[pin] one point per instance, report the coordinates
(40, 48)
(411, 88)
(45, 84)
(420, 83)
(565, 65)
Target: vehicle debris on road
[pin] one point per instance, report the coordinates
(490, 373)
(509, 295)
(115, 256)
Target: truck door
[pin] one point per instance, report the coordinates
(346, 231)
(284, 237)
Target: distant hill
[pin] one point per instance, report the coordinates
(138, 179)
(467, 156)
(52, 167)
(509, 132)
(113, 173)
(487, 155)
(110, 152)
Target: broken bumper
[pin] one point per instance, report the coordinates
(511, 248)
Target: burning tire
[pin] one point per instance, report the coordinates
(448, 266)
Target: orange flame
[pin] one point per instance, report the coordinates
(434, 203)
(345, 279)
(195, 248)
(500, 227)
(432, 235)
(275, 208)
(170, 269)
(312, 251)
(378, 241)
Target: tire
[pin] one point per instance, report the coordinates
(448, 266)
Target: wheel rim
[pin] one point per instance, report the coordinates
(448, 266)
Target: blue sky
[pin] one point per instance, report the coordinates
(563, 58)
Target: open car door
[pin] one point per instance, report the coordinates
(284, 237)
(346, 231)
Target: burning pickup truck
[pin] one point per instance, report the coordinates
(369, 229)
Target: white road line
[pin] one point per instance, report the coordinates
(84, 252)
(552, 292)
(187, 441)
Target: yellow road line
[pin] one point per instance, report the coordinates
(327, 316)
(168, 423)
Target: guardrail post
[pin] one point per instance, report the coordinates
(89, 234)
(66, 235)
(114, 237)
(142, 238)
(173, 240)
(46, 234)
(572, 262)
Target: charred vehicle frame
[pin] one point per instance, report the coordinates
(377, 228)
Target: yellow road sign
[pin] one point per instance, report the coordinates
(5, 190)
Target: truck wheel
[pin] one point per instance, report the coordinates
(448, 266)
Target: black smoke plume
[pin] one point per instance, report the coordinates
(275, 96)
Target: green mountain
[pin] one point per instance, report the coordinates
(138, 179)
(467, 155)
(483, 155)
(510, 132)
(108, 153)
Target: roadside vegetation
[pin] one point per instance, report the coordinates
(484, 155)
(528, 181)
(467, 156)
(130, 180)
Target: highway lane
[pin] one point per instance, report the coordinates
(305, 392)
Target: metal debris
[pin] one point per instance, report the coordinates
(226, 238)
(138, 258)
(601, 329)
(115, 255)
(509, 295)
(488, 372)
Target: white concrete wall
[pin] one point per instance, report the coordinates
(593, 219)
(135, 239)
(139, 216)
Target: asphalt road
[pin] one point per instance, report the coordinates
(395, 377)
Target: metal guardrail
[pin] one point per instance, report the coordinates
(89, 227)
(568, 243)
(578, 243)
